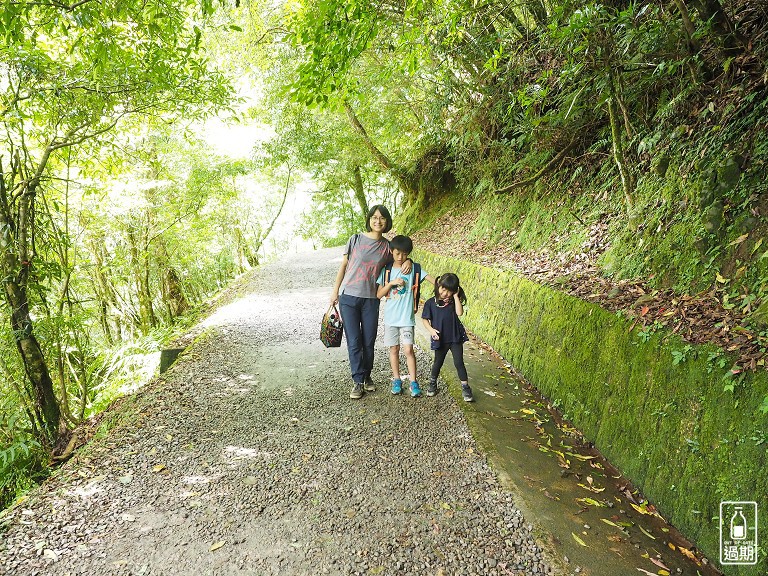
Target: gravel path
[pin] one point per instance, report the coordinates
(248, 457)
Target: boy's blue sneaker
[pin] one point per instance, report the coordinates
(397, 386)
(415, 390)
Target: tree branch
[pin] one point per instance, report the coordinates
(547, 168)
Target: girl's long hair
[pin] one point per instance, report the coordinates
(450, 282)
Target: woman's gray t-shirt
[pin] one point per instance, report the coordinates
(366, 258)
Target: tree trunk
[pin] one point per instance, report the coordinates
(264, 236)
(16, 232)
(357, 185)
(409, 188)
(627, 179)
(177, 301)
(690, 30)
(173, 294)
(244, 250)
(712, 10)
(104, 290)
(140, 266)
(46, 403)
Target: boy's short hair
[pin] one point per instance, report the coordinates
(402, 243)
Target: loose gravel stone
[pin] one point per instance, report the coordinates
(248, 457)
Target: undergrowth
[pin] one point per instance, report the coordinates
(698, 219)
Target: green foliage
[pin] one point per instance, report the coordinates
(21, 456)
(344, 29)
(681, 355)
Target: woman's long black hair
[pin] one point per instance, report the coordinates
(450, 282)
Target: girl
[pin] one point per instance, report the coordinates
(355, 291)
(441, 317)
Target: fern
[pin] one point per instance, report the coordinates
(600, 145)
(576, 173)
(676, 105)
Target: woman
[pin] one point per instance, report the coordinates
(355, 291)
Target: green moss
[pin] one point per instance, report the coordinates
(670, 428)
(531, 223)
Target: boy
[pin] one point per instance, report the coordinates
(402, 294)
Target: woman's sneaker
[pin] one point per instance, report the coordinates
(432, 388)
(466, 393)
(415, 390)
(397, 386)
(357, 391)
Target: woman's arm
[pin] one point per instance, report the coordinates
(458, 304)
(339, 279)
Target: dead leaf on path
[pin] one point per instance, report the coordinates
(644, 531)
(659, 563)
(690, 555)
(127, 479)
(590, 502)
(158, 467)
(646, 572)
(581, 456)
(645, 508)
(579, 540)
(610, 523)
(217, 545)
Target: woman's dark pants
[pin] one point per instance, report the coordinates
(361, 321)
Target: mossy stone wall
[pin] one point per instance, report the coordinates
(671, 429)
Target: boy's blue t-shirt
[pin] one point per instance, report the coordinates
(398, 307)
